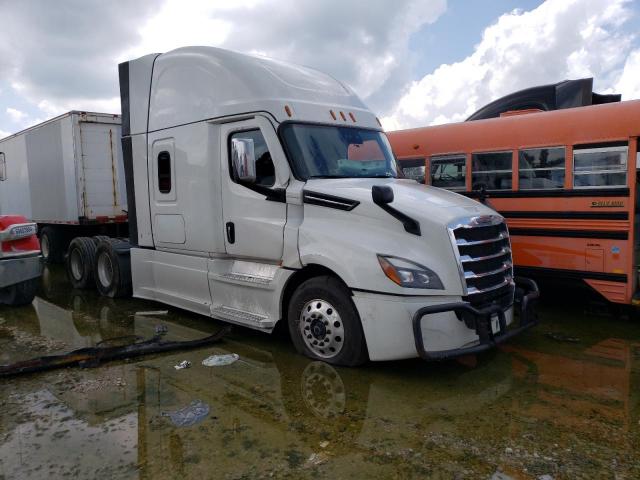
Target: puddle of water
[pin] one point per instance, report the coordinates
(538, 406)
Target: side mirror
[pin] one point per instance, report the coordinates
(243, 159)
(382, 194)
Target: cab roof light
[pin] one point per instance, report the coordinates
(342, 115)
(333, 115)
(287, 109)
(379, 122)
(352, 116)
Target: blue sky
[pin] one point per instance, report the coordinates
(453, 36)
(415, 62)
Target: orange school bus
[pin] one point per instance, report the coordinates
(565, 180)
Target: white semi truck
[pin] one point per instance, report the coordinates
(260, 191)
(66, 174)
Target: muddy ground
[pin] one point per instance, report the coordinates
(561, 401)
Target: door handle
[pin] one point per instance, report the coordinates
(231, 232)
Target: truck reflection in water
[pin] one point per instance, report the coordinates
(534, 408)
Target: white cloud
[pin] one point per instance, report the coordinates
(64, 56)
(629, 82)
(4, 134)
(560, 39)
(15, 115)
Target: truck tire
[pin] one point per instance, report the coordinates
(97, 238)
(112, 268)
(20, 294)
(79, 262)
(52, 245)
(324, 323)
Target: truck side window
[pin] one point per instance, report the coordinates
(600, 167)
(3, 168)
(164, 172)
(449, 172)
(491, 170)
(265, 172)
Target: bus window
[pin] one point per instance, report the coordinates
(491, 170)
(600, 167)
(448, 172)
(413, 168)
(541, 168)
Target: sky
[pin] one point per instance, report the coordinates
(414, 62)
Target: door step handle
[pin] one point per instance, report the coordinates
(231, 232)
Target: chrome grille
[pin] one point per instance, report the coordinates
(484, 256)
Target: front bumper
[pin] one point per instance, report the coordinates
(526, 294)
(19, 269)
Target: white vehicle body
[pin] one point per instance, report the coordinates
(67, 170)
(216, 247)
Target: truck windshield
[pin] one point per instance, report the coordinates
(319, 151)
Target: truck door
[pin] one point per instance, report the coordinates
(254, 214)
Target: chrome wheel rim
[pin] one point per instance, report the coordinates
(105, 270)
(44, 246)
(321, 328)
(76, 264)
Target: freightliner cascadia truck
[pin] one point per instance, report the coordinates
(262, 192)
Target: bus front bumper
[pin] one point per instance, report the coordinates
(482, 318)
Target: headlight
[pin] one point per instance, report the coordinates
(409, 274)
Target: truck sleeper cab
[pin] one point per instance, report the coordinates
(259, 191)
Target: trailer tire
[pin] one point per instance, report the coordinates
(97, 238)
(20, 294)
(112, 268)
(52, 245)
(79, 262)
(324, 323)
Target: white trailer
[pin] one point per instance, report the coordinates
(262, 192)
(66, 174)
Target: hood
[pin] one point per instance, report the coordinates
(426, 204)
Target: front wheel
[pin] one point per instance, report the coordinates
(324, 323)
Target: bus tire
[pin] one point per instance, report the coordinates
(20, 294)
(52, 245)
(324, 323)
(112, 268)
(79, 262)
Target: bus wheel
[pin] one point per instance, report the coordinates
(112, 268)
(52, 245)
(79, 262)
(20, 294)
(324, 323)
